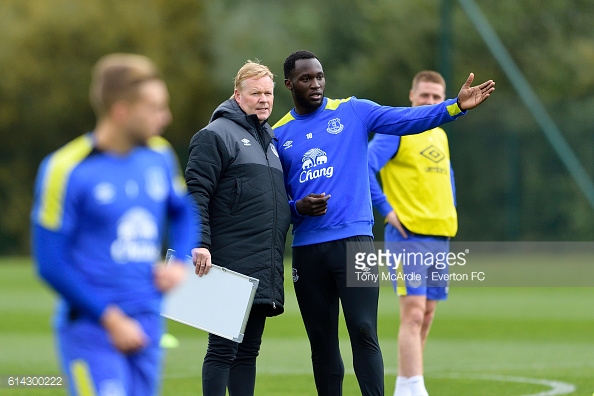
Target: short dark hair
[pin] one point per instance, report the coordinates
(289, 64)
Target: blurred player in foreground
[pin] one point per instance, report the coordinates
(103, 204)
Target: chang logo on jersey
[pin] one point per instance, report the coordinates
(313, 166)
(137, 237)
(334, 126)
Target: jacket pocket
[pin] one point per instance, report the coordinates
(236, 197)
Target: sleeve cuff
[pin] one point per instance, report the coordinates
(454, 110)
(294, 209)
(384, 208)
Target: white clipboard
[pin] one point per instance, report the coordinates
(218, 303)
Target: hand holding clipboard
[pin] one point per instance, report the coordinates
(226, 300)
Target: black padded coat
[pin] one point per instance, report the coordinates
(236, 178)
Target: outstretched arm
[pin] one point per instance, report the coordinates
(470, 97)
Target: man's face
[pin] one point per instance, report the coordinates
(256, 96)
(427, 93)
(307, 84)
(149, 114)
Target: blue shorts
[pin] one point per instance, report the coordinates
(93, 366)
(423, 267)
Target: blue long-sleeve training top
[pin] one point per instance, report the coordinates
(326, 152)
(99, 221)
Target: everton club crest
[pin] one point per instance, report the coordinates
(334, 126)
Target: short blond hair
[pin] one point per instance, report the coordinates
(251, 69)
(118, 77)
(428, 76)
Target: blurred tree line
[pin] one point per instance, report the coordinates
(510, 184)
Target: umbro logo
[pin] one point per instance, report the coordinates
(246, 142)
(287, 144)
(433, 154)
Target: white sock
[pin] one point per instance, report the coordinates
(402, 388)
(416, 384)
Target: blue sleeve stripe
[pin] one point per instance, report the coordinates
(55, 180)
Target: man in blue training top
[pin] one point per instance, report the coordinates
(103, 204)
(322, 144)
(419, 205)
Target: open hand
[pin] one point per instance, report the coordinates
(470, 97)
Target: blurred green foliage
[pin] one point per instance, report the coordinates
(510, 183)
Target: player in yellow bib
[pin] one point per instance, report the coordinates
(418, 203)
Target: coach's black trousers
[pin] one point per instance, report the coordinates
(319, 276)
(232, 365)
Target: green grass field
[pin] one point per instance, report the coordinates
(485, 341)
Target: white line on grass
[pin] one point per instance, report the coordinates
(557, 387)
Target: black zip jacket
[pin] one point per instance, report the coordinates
(235, 176)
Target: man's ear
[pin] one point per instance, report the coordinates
(288, 84)
(411, 95)
(119, 111)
